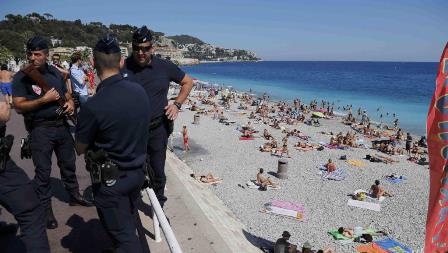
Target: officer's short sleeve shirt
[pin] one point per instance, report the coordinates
(155, 79)
(23, 86)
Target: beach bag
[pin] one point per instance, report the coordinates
(344, 157)
(361, 196)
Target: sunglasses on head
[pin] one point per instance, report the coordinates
(143, 49)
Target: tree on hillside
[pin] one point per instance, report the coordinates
(48, 16)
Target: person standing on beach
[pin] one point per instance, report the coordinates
(5, 83)
(408, 143)
(155, 75)
(185, 137)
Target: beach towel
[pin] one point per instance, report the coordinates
(337, 175)
(287, 205)
(369, 196)
(390, 245)
(370, 248)
(338, 236)
(285, 208)
(396, 180)
(246, 138)
(356, 163)
(252, 184)
(365, 205)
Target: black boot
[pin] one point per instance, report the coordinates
(52, 223)
(77, 200)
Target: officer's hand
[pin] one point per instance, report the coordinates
(51, 95)
(171, 111)
(69, 108)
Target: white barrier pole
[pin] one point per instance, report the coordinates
(166, 228)
(157, 236)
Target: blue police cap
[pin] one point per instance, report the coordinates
(142, 35)
(108, 45)
(36, 43)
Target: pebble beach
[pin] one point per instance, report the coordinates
(216, 148)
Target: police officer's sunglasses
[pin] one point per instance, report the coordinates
(146, 49)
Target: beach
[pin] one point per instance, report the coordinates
(216, 148)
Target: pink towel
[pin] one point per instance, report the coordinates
(287, 205)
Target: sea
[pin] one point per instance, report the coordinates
(381, 88)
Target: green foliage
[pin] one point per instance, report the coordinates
(15, 30)
(186, 39)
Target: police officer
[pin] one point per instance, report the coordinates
(49, 130)
(116, 121)
(17, 195)
(155, 75)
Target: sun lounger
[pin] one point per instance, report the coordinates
(247, 138)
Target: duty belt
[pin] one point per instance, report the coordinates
(49, 123)
(155, 123)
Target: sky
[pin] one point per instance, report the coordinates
(318, 30)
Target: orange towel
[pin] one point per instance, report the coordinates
(370, 248)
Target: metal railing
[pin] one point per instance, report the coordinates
(160, 220)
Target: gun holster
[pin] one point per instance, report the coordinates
(101, 168)
(149, 176)
(25, 147)
(169, 124)
(5, 147)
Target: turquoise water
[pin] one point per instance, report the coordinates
(392, 87)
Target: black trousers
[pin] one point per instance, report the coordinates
(45, 140)
(157, 143)
(17, 195)
(116, 208)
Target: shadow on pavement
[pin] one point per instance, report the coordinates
(85, 237)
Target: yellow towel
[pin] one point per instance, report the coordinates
(356, 163)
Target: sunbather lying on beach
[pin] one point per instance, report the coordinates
(281, 151)
(262, 180)
(209, 179)
(266, 134)
(347, 232)
(303, 146)
(377, 191)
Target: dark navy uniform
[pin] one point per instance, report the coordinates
(17, 195)
(49, 133)
(116, 120)
(155, 79)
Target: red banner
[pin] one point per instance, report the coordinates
(437, 132)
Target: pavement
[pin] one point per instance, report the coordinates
(199, 219)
